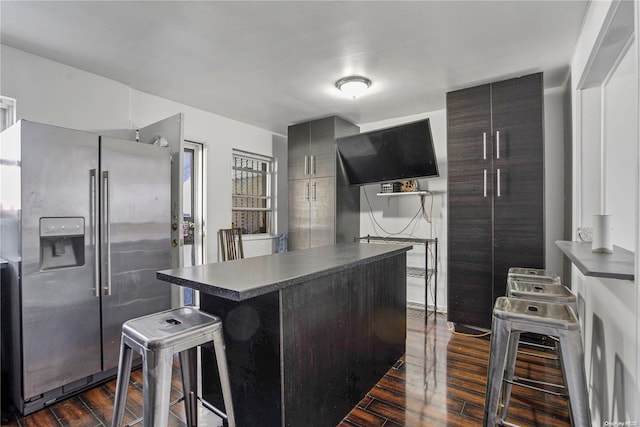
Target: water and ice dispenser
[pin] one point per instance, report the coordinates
(61, 242)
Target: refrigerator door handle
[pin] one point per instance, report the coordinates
(107, 229)
(94, 232)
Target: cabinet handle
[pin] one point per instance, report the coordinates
(484, 146)
(313, 164)
(499, 183)
(497, 144)
(485, 183)
(306, 165)
(314, 191)
(306, 192)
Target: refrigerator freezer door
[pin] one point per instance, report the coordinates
(60, 309)
(135, 183)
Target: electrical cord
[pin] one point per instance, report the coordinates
(453, 331)
(375, 222)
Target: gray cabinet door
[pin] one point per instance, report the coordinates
(298, 151)
(322, 218)
(136, 196)
(518, 233)
(470, 188)
(299, 190)
(323, 147)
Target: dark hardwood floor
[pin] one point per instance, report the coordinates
(439, 382)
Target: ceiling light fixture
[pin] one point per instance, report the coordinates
(353, 86)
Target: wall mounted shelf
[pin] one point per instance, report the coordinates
(405, 193)
(618, 265)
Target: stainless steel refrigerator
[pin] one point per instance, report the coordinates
(85, 224)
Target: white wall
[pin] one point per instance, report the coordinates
(621, 183)
(590, 100)
(554, 189)
(53, 93)
(608, 309)
(220, 136)
(393, 214)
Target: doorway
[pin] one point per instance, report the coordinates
(193, 202)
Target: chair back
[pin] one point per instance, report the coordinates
(230, 243)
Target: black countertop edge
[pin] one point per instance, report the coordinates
(617, 265)
(179, 276)
(202, 287)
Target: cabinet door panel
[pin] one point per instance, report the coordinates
(518, 219)
(470, 212)
(322, 215)
(298, 214)
(298, 150)
(323, 147)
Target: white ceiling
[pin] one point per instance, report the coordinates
(271, 64)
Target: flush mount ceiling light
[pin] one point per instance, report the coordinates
(353, 86)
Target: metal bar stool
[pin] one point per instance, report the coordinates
(511, 317)
(539, 291)
(534, 274)
(157, 338)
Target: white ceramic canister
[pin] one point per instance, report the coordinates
(602, 241)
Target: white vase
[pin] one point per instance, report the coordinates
(602, 240)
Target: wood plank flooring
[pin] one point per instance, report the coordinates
(439, 382)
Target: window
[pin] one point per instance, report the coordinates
(251, 206)
(7, 112)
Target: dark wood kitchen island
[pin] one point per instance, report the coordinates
(308, 333)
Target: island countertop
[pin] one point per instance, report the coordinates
(246, 278)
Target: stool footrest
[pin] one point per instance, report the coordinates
(507, 424)
(212, 408)
(541, 356)
(532, 387)
(536, 345)
(139, 420)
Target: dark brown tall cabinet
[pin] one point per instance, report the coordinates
(495, 149)
(323, 209)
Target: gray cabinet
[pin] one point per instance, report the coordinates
(323, 209)
(495, 150)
